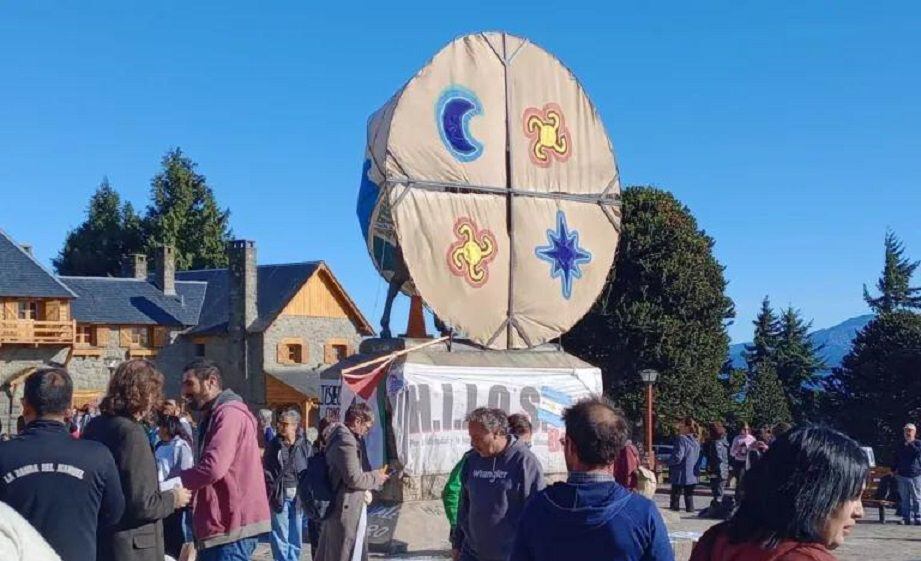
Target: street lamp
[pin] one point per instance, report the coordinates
(649, 377)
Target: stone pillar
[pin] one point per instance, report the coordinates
(134, 266)
(165, 262)
(241, 255)
(241, 295)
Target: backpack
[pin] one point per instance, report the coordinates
(315, 489)
(646, 482)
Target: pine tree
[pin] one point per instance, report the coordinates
(797, 363)
(184, 213)
(764, 343)
(664, 307)
(111, 231)
(894, 284)
(766, 397)
(735, 382)
(878, 387)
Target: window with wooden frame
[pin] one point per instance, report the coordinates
(291, 351)
(140, 336)
(134, 336)
(85, 336)
(337, 350)
(28, 309)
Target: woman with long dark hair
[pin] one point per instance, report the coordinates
(800, 501)
(134, 390)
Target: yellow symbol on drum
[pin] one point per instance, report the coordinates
(548, 133)
(471, 254)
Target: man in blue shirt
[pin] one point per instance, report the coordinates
(591, 516)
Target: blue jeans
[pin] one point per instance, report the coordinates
(910, 496)
(287, 531)
(240, 550)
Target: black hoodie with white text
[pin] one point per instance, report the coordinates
(494, 492)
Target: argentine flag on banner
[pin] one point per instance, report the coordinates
(552, 403)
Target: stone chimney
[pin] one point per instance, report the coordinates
(134, 266)
(165, 264)
(241, 255)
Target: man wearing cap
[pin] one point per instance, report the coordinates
(907, 470)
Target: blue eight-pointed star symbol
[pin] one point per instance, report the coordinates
(564, 254)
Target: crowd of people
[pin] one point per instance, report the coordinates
(697, 451)
(140, 479)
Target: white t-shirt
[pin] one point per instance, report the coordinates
(173, 457)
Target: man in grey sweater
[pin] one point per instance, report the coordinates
(496, 482)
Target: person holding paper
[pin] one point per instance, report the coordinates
(173, 454)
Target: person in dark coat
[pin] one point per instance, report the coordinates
(80, 494)
(716, 453)
(682, 465)
(135, 388)
(284, 461)
(319, 445)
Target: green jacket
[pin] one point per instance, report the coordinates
(450, 496)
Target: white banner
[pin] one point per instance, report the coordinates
(430, 403)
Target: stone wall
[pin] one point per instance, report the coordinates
(13, 360)
(172, 359)
(91, 372)
(219, 348)
(262, 356)
(314, 331)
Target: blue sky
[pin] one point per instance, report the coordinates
(791, 131)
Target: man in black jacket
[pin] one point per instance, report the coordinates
(64, 487)
(907, 470)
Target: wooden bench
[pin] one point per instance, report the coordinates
(868, 498)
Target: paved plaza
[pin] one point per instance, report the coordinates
(871, 541)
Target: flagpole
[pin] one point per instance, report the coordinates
(391, 356)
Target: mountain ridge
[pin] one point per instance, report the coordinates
(836, 339)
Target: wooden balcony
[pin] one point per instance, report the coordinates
(36, 332)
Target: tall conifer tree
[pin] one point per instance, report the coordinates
(894, 284)
(797, 363)
(96, 247)
(664, 307)
(764, 343)
(184, 213)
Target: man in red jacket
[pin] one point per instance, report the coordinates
(230, 507)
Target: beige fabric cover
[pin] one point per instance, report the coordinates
(422, 147)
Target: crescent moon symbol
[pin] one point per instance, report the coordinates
(455, 108)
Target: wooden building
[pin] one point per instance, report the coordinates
(271, 328)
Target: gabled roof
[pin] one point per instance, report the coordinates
(22, 275)
(275, 286)
(110, 300)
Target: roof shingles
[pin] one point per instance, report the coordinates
(275, 286)
(21, 275)
(107, 300)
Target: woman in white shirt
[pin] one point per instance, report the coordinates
(173, 454)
